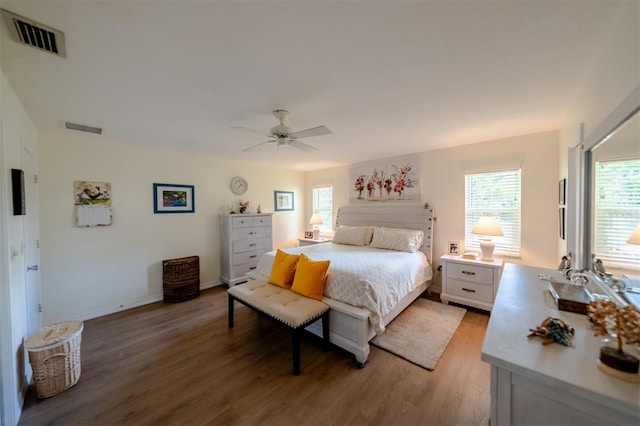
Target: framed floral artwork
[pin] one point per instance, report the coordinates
(397, 179)
(170, 198)
(283, 201)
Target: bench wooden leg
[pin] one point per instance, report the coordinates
(230, 312)
(295, 343)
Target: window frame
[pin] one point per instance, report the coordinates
(326, 229)
(508, 212)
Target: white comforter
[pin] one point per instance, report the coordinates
(370, 278)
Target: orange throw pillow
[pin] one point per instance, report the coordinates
(310, 277)
(283, 269)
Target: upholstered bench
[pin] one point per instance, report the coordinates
(285, 306)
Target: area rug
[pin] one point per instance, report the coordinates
(421, 333)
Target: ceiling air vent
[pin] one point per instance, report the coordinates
(34, 34)
(83, 128)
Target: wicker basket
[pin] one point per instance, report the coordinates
(181, 279)
(54, 355)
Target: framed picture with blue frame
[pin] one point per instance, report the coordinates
(283, 201)
(172, 198)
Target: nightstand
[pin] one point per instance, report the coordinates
(470, 282)
(309, 242)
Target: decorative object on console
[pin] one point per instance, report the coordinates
(634, 238)
(553, 330)
(570, 297)
(238, 185)
(169, 198)
(487, 226)
(308, 235)
(316, 220)
(622, 323)
(283, 200)
(243, 206)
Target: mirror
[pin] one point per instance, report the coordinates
(614, 197)
(611, 205)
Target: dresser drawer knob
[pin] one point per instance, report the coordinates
(469, 290)
(253, 267)
(252, 245)
(253, 256)
(468, 272)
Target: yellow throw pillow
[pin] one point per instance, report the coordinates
(283, 269)
(310, 277)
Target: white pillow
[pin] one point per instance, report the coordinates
(408, 240)
(353, 235)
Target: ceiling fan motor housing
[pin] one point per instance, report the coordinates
(281, 131)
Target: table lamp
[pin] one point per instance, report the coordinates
(487, 226)
(635, 236)
(316, 220)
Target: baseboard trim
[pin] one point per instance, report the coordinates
(136, 303)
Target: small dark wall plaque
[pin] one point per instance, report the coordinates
(17, 184)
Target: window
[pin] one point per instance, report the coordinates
(616, 210)
(323, 204)
(494, 194)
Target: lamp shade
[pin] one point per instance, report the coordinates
(316, 219)
(635, 236)
(487, 225)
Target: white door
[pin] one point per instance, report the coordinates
(32, 242)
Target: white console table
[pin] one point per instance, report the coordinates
(554, 384)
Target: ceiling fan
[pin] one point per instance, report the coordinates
(284, 135)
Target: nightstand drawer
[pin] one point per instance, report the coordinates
(479, 292)
(467, 272)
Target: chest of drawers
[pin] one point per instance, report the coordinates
(243, 240)
(470, 282)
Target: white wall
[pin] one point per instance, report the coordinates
(614, 75)
(18, 132)
(442, 183)
(87, 272)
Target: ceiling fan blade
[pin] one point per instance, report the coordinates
(248, 130)
(252, 148)
(303, 146)
(314, 131)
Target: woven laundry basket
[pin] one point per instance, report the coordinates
(54, 355)
(181, 279)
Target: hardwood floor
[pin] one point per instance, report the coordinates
(179, 364)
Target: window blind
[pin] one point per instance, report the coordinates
(494, 194)
(616, 211)
(323, 204)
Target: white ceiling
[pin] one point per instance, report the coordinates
(388, 78)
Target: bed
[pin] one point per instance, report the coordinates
(357, 288)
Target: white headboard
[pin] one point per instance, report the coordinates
(392, 216)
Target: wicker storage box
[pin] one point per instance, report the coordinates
(54, 355)
(181, 279)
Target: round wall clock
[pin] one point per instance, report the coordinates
(238, 185)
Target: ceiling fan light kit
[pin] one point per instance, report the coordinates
(284, 135)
